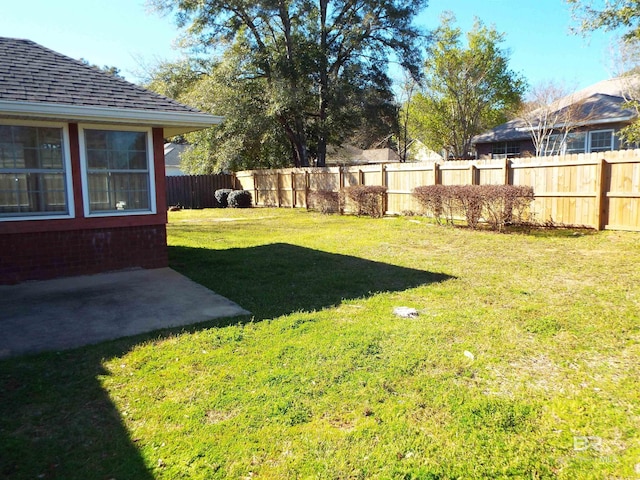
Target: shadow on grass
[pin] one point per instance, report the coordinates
(56, 419)
(278, 279)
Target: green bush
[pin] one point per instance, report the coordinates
(368, 199)
(239, 199)
(221, 196)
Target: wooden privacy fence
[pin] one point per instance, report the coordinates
(599, 190)
(196, 191)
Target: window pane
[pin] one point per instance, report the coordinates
(32, 193)
(575, 142)
(26, 152)
(118, 171)
(97, 159)
(601, 141)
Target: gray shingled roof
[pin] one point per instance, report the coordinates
(598, 104)
(32, 73)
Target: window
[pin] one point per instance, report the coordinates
(33, 172)
(575, 142)
(505, 150)
(118, 171)
(552, 145)
(601, 140)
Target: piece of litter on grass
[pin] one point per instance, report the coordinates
(405, 312)
(468, 354)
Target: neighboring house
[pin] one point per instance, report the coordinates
(172, 153)
(596, 114)
(419, 152)
(82, 184)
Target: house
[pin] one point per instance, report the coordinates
(172, 153)
(419, 152)
(82, 181)
(593, 115)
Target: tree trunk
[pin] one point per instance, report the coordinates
(324, 86)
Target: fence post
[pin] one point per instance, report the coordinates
(505, 171)
(383, 182)
(278, 202)
(360, 177)
(601, 195)
(306, 189)
(437, 180)
(293, 190)
(473, 171)
(255, 188)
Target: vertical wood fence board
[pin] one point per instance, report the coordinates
(566, 188)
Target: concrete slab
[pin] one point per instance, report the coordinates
(72, 312)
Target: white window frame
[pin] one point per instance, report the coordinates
(68, 173)
(608, 130)
(565, 149)
(84, 167)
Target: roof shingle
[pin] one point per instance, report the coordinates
(30, 72)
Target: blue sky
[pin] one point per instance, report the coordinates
(124, 34)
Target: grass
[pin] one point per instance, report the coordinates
(323, 381)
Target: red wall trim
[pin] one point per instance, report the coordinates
(159, 168)
(80, 222)
(74, 153)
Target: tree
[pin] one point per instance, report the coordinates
(552, 114)
(301, 52)
(468, 89)
(610, 15)
(621, 15)
(407, 93)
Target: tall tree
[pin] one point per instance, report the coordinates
(623, 16)
(552, 114)
(608, 15)
(468, 88)
(301, 51)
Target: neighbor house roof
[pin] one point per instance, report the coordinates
(37, 82)
(172, 152)
(601, 103)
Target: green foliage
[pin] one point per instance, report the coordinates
(610, 15)
(616, 15)
(323, 381)
(239, 199)
(293, 77)
(222, 196)
(468, 88)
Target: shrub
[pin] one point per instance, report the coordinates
(506, 204)
(498, 205)
(221, 196)
(368, 199)
(324, 201)
(436, 201)
(239, 199)
(470, 200)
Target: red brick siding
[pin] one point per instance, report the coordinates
(43, 255)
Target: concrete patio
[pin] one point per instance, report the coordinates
(72, 312)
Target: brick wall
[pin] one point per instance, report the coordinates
(43, 255)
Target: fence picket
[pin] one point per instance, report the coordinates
(599, 190)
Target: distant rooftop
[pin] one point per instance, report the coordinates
(602, 102)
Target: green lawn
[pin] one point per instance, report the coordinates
(523, 363)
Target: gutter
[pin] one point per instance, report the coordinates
(173, 122)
